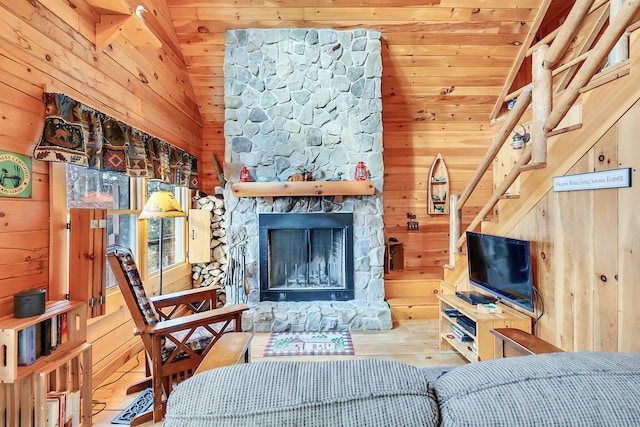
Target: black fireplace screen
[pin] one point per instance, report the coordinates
(306, 257)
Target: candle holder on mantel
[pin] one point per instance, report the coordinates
(413, 223)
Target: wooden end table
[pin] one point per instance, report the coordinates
(515, 342)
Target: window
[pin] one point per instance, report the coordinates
(90, 188)
(173, 235)
(124, 197)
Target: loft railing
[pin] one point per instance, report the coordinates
(547, 113)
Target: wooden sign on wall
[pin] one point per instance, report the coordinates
(615, 178)
(15, 175)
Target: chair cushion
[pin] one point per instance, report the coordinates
(200, 338)
(556, 389)
(128, 266)
(197, 342)
(367, 392)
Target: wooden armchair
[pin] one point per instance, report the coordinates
(178, 330)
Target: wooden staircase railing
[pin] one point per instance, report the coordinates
(539, 94)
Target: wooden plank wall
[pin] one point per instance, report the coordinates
(585, 250)
(585, 243)
(52, 44)
(587, 261)
(405, 191)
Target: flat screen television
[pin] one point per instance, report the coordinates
(502, 267)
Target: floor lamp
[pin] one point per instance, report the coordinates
(161, 204)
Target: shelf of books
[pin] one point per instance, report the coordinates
(45, 377)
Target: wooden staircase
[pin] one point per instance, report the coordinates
(412, 295)
(566, 140)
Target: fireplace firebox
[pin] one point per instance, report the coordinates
(306, 256)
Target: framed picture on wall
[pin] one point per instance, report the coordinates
(15, 175)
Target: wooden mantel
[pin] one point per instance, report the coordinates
(304, 188)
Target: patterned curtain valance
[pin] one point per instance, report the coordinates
(77, 134)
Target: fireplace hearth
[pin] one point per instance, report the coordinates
(306, 256)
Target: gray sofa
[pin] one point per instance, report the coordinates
(558, 389)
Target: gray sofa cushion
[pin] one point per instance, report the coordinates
(368, 392)
(559, 389)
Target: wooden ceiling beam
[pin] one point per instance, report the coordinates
(116, 18)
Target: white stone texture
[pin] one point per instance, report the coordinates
(316, 96)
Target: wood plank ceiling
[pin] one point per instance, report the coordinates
(445, 63)
(446, 60)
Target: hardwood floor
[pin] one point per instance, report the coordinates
(412, 342)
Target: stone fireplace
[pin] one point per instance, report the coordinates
(306, 100)
(306, 256)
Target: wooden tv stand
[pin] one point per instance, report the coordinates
(482, 346)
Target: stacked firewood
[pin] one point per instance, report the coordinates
(212, 273)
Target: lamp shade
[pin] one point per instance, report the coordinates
(161, 204)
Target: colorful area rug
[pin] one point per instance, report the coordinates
(309, 344)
